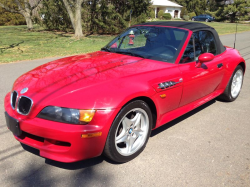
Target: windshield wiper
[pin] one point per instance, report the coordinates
(130, 53)
(105, 49)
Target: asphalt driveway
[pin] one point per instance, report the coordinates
(207, 147)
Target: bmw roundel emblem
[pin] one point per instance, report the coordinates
(24, 90)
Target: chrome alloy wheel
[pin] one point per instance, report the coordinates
(132, 132)
(236, 83)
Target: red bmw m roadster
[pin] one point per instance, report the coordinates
(107, 102)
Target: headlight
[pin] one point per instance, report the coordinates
(66, 115)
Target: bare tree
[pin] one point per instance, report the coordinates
(74, 8)
(24, 8)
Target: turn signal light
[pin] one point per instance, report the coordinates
(163, 95)
(92, 135)
(86, 115)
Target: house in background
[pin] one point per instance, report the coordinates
(168, 7)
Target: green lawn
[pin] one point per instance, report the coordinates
(228, 28)
(16, 43)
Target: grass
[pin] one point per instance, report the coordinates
(228, 28)
(16, 43)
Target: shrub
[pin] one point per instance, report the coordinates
(220, 15)
(140, 19)
(167, 16)
(160, 14)
(186, 17)
(7, 18)
(184, 12)
(191, 14)
(152, 14)
(244, 18)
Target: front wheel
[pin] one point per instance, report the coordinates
(206, 20)
(233, 88)
(193, 19)
(129, 132)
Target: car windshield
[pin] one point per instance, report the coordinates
(157, 43)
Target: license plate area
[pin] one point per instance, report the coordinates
(13, 124)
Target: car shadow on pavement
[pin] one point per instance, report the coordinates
(181, 118)
(85, 173)
(76, 165)
(70, 166)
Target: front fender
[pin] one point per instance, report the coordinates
(109, 95)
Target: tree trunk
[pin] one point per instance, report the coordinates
(75, 16)
(78, 22)
(232, 17)
(28, 22)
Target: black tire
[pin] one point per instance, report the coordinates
(206, 20)
(193, 19)
(227, 95)
(111, 149)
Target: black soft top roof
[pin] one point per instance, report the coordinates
(193, 26)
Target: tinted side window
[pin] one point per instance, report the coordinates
(188, 55)
(204, 43)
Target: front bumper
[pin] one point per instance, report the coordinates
(63, 142)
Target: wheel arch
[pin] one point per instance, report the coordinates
(243, 65)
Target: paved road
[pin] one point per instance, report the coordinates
(207, 147)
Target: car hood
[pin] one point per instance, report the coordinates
(63, 72)
(94, 74)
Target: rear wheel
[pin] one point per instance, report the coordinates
(193, 19)
(129, 132)
(206, 20)
(233, 88)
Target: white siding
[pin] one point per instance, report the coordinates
(170, 10)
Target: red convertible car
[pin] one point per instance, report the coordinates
(107, 102)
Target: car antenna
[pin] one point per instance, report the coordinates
(235, 33)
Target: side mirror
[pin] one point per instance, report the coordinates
(205, 57)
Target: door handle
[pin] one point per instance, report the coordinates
(220, 65)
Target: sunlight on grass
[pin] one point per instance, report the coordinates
(228, 28)
(16, 43)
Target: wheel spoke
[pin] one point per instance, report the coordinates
(130, 142)
(122, 137)
(136, 120)
(138, 132)
(126, 123)
(235, 78)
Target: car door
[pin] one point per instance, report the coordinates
(203, 18)
(200, 81)
(200, 17)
